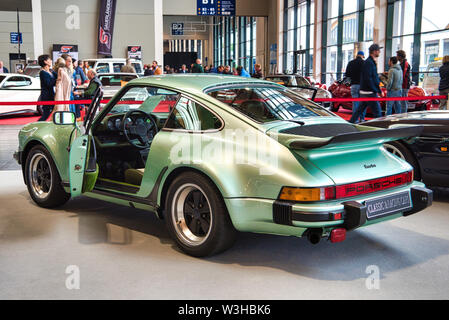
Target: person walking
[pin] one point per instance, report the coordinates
(394, 86)
(197, 67)
(353, 71)
(369, 85)
(47, 78)
(406, 81)
(443, 87)
(63, 87)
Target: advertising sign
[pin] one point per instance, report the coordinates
(59, 49)
(106, 26)
(135, 52)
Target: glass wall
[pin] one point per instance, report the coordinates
(298, 36)
(425, 41)
(350, 25)
(235, 42)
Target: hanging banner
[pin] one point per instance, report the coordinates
(106, 26)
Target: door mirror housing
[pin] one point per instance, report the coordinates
(64, 118)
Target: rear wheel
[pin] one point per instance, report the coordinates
(43, 181)
(398, 149)
(196, 216)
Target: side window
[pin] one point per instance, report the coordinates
(137, 66)
(117, 66)
(189, 115)
(17, 82)
(103, 67)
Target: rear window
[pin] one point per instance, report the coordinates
(266, 103)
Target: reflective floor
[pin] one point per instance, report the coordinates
(125, 253)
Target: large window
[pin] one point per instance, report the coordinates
(350, 25)
(298, 36)
(235, 42)
(425, 42)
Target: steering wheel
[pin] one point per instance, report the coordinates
(140, 125)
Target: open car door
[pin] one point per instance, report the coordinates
(83, 168)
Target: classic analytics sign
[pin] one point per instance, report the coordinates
(215, 7)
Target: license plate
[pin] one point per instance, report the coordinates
(394, 203)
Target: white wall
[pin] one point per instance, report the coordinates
(8, 23)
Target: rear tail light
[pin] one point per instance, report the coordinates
(346, 190)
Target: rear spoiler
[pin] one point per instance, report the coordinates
(376, 136)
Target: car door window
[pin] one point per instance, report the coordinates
(17, 82)
(189, 115)
(137, 66)
(103, 68)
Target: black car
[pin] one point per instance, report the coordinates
(428, 153)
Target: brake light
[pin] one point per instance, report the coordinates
(338, 235)
(346, 190)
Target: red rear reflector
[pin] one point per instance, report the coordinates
(338, 216)
(338, 235)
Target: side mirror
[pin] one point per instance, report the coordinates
(64, 118)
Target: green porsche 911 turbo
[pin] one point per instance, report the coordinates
(213, 155)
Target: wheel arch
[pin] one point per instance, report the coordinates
(172, 176)
(26, 150)
(412, 152)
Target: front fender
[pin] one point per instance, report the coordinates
(55, 138)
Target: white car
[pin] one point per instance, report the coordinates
(19, 87)
(113, 65)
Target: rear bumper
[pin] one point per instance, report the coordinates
(353, 214)
(290, 219)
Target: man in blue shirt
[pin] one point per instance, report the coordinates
(369, 85)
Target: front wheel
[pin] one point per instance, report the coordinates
(43, 181)
(196, 216)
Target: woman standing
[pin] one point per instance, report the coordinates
(63, 67)
(48, 82)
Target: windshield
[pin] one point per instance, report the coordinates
(266, 103)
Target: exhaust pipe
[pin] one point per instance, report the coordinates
(314, 235)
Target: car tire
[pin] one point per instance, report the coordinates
(196, 216)
(43, 180)
(398, 149)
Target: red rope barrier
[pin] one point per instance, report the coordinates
(46, 103)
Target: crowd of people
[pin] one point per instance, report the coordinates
(365, 83)
(197, 67)
(59, 83)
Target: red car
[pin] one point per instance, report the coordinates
(342, 89)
